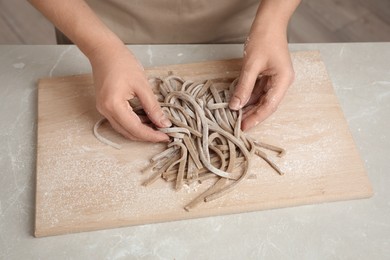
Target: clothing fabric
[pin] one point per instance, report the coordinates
(177, 21)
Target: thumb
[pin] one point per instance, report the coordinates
(152, 107)
(246, 82)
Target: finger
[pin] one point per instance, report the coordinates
(259, 113)
(246, 82)
(117, 127)
(247, 110)
(125, 116)
(269, 102)
(144, 119)
(151, 106)
(258, 90)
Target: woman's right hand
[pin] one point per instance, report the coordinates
(118, 78)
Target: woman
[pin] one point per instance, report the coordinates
(100, 28)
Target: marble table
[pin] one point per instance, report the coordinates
(358, 229)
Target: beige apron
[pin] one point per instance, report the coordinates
(177, 21)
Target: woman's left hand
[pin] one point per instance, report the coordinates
(266, 74)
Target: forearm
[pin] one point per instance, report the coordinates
(80, 24)
(274, 15)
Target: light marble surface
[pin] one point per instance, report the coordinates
(357, 229)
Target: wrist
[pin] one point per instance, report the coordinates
(266, 36)
(268, 25)
(274, 15)
(104, 50)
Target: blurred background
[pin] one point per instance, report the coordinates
(314, 21)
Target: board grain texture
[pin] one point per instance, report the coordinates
(84, 185)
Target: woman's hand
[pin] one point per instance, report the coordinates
(117, 74)
(267, 70)
(119, 77)
(266, 74)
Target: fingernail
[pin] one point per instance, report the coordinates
(165, 122)
(235, 103)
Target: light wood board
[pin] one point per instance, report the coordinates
(85, 185)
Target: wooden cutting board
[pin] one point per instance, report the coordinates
(85, 185)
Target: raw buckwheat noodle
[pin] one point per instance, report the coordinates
(206, 137)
